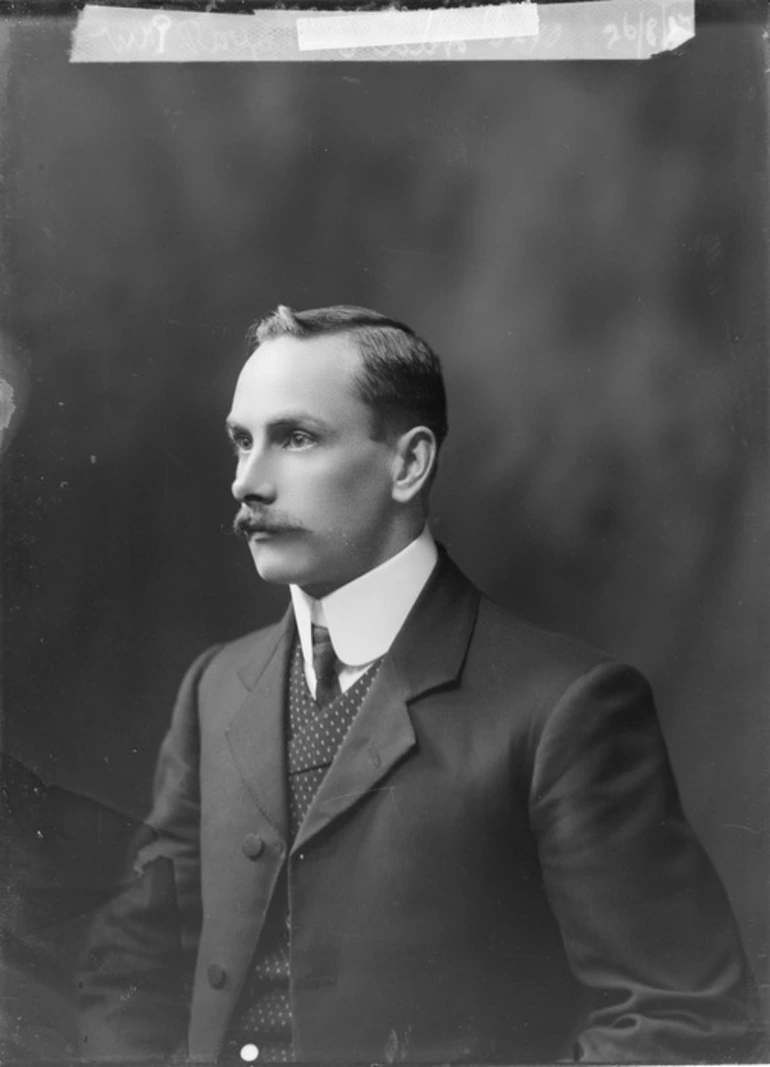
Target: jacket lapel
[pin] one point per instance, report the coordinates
(256, 733)
(427, 654)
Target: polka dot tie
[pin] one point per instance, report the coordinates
(326, 665)
(316, 729)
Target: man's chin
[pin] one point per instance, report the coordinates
(275, 562)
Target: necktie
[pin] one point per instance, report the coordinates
(325, 665)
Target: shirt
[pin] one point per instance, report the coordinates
(364, 616)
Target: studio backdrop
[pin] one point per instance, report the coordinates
(581, 243)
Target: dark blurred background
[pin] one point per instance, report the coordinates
(582, 243)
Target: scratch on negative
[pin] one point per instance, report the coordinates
(7, 405)
(176, 459)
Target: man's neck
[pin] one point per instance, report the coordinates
(364, 615)
(398, 541)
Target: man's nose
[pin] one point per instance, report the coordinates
(254, 478)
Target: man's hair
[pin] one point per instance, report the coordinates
(400, 377)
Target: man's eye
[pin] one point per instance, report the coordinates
(241, 442)
(298, 439)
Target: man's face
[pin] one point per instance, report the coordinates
(315, 488)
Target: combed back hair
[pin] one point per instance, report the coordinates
(400, 377)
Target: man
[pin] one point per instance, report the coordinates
(402, 825)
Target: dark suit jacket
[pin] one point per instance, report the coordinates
(496, 867)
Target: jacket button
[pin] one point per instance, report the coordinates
(216, 975)
(252, 846)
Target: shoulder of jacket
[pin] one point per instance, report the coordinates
(528, 654)
(559, 683)
(497, 623)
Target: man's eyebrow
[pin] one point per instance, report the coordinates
(288, 419)
(232, 427)
(285, 420)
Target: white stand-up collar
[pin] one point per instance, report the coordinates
(364, 616)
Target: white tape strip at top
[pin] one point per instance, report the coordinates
(582, 29)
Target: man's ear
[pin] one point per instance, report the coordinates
(413, 464)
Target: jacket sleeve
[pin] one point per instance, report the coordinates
(136, 972)
(643, 915)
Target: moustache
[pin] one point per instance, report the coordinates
(247, 523)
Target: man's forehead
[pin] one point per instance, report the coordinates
(288, 372)
(286, 356)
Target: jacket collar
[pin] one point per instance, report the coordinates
(428, 654)
(271, 654)
(430, 649)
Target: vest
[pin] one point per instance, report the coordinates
(314, 735)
